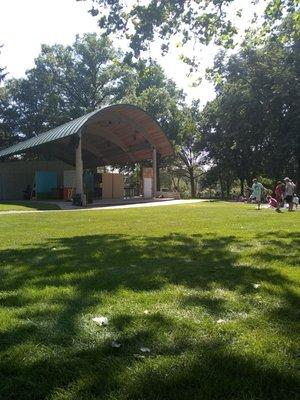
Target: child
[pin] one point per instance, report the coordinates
(279, 193)
(257, 189)
(273, 203)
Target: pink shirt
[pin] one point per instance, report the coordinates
(279, 192)
(273, 202)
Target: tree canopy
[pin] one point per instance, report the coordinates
(252, 127)
(195, 21)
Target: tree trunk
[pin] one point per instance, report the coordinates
(242, 186)
(192, 181)
(222, 187)
(228, 187)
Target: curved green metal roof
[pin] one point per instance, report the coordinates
(68, 129)
(130, 140)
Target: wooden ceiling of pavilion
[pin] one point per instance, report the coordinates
(115, 135)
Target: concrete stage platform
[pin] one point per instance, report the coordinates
(67, 205)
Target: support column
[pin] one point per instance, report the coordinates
(154, 172)
(79, 174)
(158, 171)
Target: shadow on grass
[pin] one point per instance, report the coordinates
(11, 205)
(286, 246)
(79, 270)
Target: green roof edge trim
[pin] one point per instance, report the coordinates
(68, 129)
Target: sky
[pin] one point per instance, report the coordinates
(25, 25)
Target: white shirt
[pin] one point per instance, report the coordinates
(289, 188)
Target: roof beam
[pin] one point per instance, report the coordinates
(131, 149)
(90, 148)
(106, 134)
(137, 128)
(109, 136)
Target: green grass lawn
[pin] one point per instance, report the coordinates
(26, 205)
(218, 282)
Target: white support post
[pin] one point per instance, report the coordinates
(79, 173)
(154, 172)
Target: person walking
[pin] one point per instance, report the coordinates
(257, 189)
(279, 195)
(289, 192)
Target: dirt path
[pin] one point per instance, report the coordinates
(103, 208)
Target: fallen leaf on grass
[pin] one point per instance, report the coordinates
(102, 321)
(145, 349)
(138, 356)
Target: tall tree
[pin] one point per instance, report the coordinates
(65, 83)
(251, 127)
(6, 131)
(188, 145)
